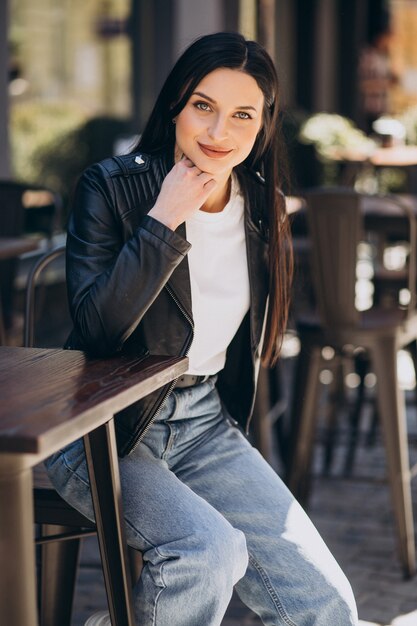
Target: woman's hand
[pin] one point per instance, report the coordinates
(184, 190)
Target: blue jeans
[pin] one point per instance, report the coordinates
(209, 515)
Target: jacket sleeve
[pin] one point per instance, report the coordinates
(112, 282)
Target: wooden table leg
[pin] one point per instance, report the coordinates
(103, 467)
(17, 552)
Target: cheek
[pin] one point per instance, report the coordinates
(248, 140)
(186, 126)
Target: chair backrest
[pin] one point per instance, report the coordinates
(28, 208)
(381, 218)
(24, 208)
(11, 225)
(335, 221)
(11, 209)
(31, 300)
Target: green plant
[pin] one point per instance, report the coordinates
(330, 131)
(53, 143)
(331, 135)
(38, 128)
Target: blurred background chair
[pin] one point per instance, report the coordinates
(25, 209)
(336, 229)
(60, 526)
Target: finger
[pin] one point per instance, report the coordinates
(210, 185)
(194, 168)
(186, 161)
(204, 177)
(189, 166)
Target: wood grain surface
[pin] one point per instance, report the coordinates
(55, 394)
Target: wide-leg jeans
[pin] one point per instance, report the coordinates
(209, 514)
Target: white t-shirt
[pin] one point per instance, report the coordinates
(219, 281)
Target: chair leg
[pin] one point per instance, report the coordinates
(58, 573)
(103, 469)
(361, 367)
(391, 408)
(303, 421)
(371, 435)
(333, 404)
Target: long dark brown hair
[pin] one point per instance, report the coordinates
(233, 51)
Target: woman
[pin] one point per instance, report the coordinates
(182, 248)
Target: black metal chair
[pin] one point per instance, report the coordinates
(24, 209)
(61, 526)
(336, 229)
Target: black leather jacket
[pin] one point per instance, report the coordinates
(129, 287)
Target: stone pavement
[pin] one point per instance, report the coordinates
(354, 517)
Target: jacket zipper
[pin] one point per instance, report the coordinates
(172, 384)
(191, 322)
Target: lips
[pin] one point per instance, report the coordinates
(212, 152)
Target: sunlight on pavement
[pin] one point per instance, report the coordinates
(408, 619)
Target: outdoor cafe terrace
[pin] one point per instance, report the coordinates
(352, 512)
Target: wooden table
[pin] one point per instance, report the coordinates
(48, 399)
(395, 156)
(10, 248)
(404, 157)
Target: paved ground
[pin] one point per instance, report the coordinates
(354, 517)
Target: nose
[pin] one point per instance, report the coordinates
(218, 128)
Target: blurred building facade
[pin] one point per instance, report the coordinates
(73, 51)
(108, 58)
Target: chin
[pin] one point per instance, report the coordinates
(207, 165)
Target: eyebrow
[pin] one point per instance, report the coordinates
(206, 97)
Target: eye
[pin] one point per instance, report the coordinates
(202, 106)
(242, 115)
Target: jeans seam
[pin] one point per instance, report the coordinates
(149, 543)
(153, 547)
(172, 435)
(175, 407)
(155, 603)
(171, 440)
(73, 472)
(271, 591)
(159, 593)
(135, 531)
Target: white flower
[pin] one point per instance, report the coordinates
(330, 131)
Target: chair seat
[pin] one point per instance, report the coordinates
(50, 508)
(373, 323)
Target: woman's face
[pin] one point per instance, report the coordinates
(218, 126)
